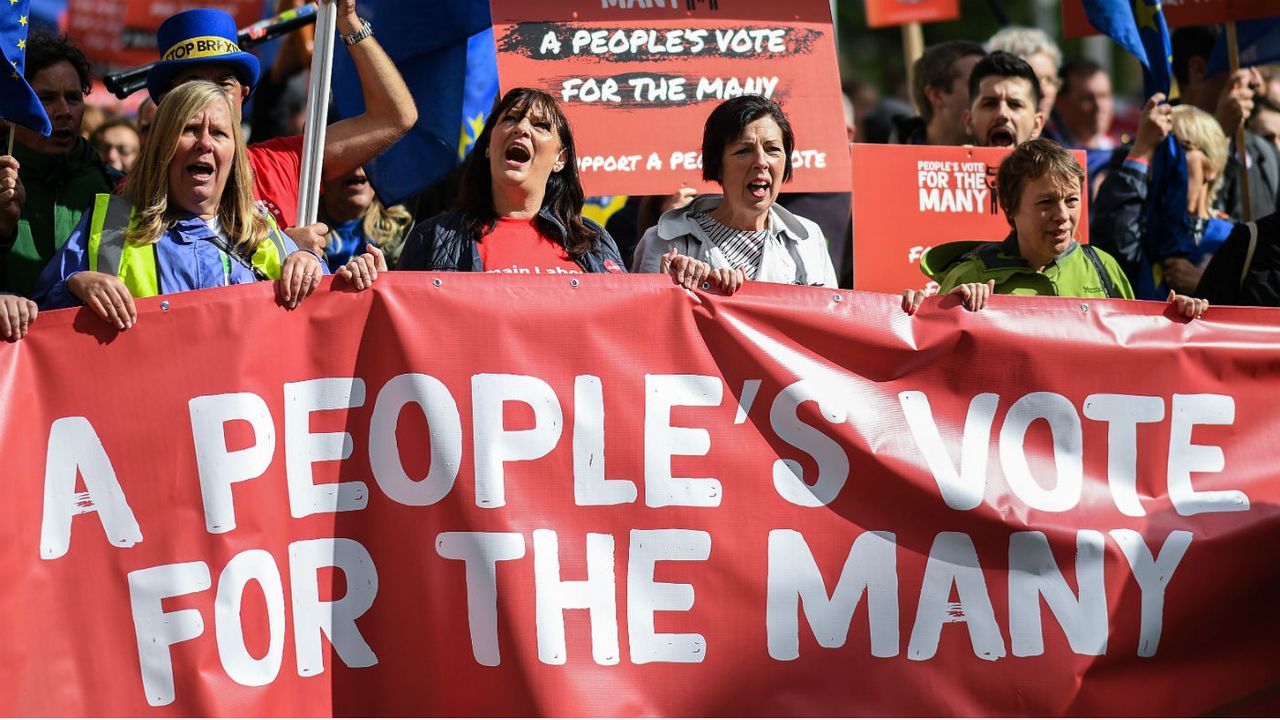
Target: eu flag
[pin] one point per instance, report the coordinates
(1139, 27)
(18, 102)
(435, 64)
(1259, 42)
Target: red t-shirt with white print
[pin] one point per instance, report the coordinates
(515, 246)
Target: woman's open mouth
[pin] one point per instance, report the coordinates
(200, 172)
(759, 189)
(517, 155)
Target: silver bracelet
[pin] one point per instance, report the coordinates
(365, 31)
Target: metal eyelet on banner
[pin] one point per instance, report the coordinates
(837, 297)
(573, 282)
(437, 282)
(706, 286)
(164, 306)
(1084, 307)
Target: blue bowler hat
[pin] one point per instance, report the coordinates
(195, 37)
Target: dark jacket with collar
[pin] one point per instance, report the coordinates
(442, 243)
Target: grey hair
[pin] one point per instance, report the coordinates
(1025, 42)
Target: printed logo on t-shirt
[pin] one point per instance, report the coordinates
(273, 209)
(535, 270)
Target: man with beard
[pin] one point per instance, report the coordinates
(1004, 102)
(48, 182)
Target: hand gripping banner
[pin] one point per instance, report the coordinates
(465, 495)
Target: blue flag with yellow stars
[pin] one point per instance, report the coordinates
(435, 63)
(1139, 27)
(18, 102)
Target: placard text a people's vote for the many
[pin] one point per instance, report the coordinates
(638, 79)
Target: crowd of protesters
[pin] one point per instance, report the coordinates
(108, 209)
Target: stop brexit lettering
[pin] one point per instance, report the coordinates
(795, 583)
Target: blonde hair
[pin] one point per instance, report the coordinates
(147, 187)
(387, 227)
(1025, 42)
(1195, 127)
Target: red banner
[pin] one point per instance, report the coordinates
(468, 495)
(122, 33)
(638, 79)
(1177, 13)
(884, 13)
(908, 198)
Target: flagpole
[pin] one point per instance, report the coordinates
(317, 111)
(1242, 149)
(912, 49)
(12, 132)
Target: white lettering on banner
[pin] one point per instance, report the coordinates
(795, 581)
(481, 552)
(1033, 574)
(646, 596)
(553, 596)
(963, 490)
(303, 448)
(158, 630)
(662, 90)
(75, 449)
(589, 484)
(257, 566)
(336, 619)
(953, 563)
(1153, 576)
(810, 418)
(220, 468)
(445, 439)
(833, 462)
(725, 89)
(662, 440)
(494, 444)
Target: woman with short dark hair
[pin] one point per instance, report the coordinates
(742, 233)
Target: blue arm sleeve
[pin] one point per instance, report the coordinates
(51, 292)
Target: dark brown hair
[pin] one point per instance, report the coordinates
(564, 196)
(1031, 161)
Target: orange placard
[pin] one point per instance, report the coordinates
(884, 13)
(1177, 13)
(908, 198)
(638, 79)
(122, 33)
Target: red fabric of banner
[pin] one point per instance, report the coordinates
(609, 496)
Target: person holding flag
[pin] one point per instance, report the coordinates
(349, 144)
(52, 173)
(1139, 27)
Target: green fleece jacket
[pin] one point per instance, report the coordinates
(59, 189)
(1071, 274)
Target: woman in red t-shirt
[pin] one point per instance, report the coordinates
(520, 207)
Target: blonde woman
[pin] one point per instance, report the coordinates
(187, 221)
(1120, 207)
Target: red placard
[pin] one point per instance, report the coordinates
(122, 33)
(789, 502)
(638, 79)
(884, 13)
(909, 198)
(1177, 13)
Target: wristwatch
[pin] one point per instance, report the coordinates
(365, 31)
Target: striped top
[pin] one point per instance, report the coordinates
(741, 248)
